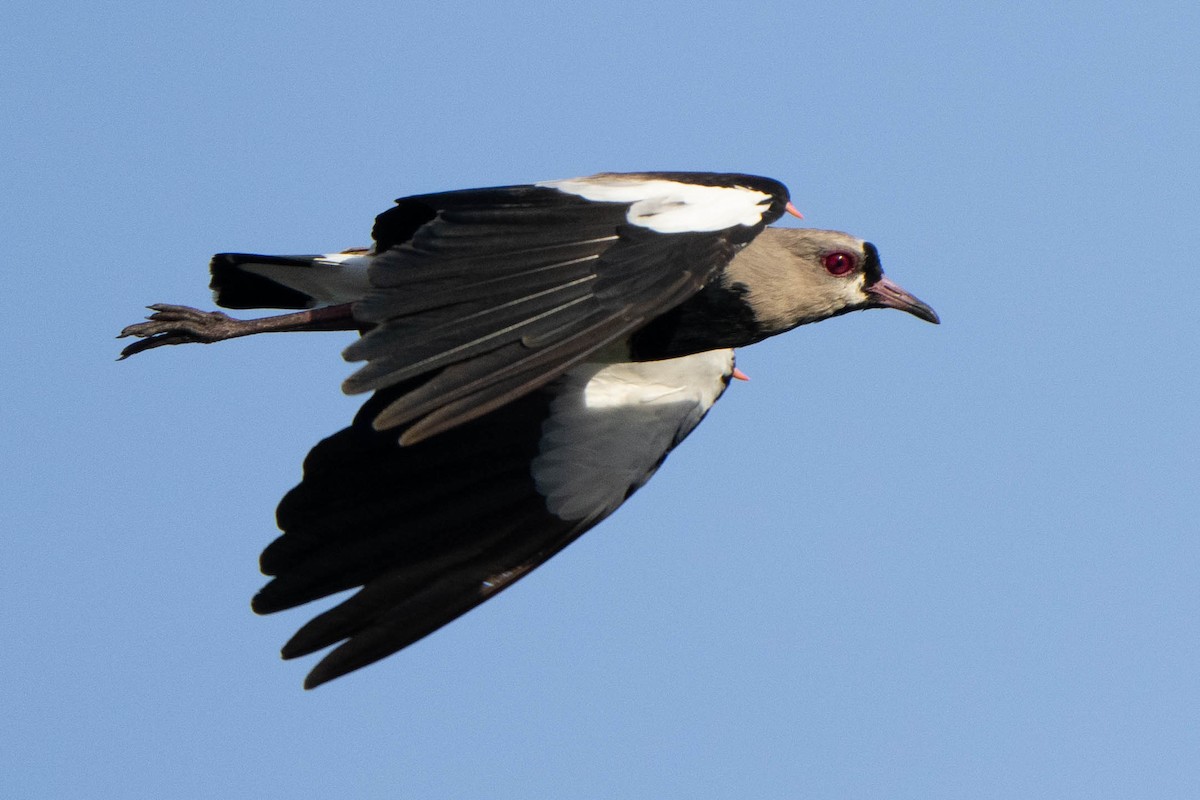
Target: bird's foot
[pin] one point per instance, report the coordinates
(171, 324)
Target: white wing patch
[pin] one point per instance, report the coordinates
(611, 424)
(333, 279)
(669, 206)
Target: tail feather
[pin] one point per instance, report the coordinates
(248, 280)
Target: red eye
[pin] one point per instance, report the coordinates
(840, 263)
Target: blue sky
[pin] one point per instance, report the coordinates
(903, 561)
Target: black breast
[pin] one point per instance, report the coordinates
(719, 315)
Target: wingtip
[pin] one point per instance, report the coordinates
(327, 669)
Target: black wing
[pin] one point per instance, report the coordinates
(433, 529)
(430, 531)
(482, 296)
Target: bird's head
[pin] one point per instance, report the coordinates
(791, 276)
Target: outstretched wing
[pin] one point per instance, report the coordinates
(431, 530)
(481, 296)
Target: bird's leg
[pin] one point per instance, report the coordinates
(170, 324)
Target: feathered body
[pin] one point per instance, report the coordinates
(535, 352)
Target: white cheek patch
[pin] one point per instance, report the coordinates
(852, 291)
(610, 425)
(670, 206)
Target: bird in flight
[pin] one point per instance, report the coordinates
(534, 352)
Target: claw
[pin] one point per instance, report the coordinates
(152, 342)
(172, 324)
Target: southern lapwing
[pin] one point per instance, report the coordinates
(535, 352)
